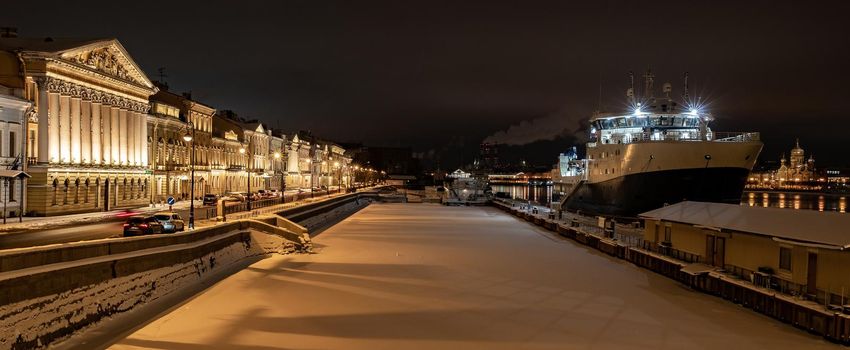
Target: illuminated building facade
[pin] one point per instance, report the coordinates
(171, 118)
(14, 112)
(796, 172)
(88, 149)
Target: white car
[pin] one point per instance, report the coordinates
(171, 222)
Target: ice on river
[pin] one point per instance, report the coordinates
(419, 276)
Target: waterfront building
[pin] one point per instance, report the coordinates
(798, 252)
(792, 173)
(88, 150)
(15, 111)
(277, 160)
(229, 157)
(257, 148)
(171, 118)
(299, 163)
(460, 174)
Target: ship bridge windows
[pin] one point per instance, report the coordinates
(654, 121)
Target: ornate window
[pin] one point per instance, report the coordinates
(86, 197)
(67, 184)
(76, 191)
(55, 190)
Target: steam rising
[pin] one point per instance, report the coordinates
(548, 127)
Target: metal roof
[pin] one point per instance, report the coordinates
(804, 226)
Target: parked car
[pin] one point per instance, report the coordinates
(142, 225)
(235, 197)
(171, 222)
(210, 199)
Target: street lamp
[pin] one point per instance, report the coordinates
(339, 175)
(277, 156)
(309, 164)
(190, 137)
(247, 171)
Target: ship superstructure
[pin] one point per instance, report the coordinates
(659, 152)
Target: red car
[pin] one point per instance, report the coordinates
(142, 225)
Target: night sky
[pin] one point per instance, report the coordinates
(442, 76)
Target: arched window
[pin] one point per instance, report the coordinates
(65, 191)
(55, 191)
(76, 191)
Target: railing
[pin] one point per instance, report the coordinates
(671, 252)
(680, 136)
(735, 136)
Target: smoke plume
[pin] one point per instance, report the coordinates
(549, 127)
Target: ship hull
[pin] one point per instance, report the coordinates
(632, 194)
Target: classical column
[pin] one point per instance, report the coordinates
(75, 129)
(140, 144)
(144, 129)
(122, 136)
(131, 136)
(113, 135)
(43, 123)
(96, 155)
(85, 131)
(64, 129)
(106, 133)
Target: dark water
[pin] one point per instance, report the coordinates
(805, 201)
(540, 193)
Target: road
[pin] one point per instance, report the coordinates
(61, 235)
(109, 228)
(420, 276)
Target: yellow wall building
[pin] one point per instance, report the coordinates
(796, 251)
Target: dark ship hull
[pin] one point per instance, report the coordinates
(630, 195)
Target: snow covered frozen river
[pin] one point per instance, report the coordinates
(419, 276)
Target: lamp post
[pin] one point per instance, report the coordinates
(277, 156)
(247, 171)
(190, 137)
(339, 177)
(310, 164)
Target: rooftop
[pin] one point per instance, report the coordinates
(805, 226)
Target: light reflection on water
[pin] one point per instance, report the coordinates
(536, 193)
(805, 201)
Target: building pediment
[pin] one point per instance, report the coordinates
(108, 57)
(231, 135)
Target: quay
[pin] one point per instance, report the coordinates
(766, 285)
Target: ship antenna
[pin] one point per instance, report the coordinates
(630, 93)
(648, 79)
(685, 92)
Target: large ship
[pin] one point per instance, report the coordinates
(658, 152)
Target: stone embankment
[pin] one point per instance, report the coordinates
(806, 315)
(50, 293)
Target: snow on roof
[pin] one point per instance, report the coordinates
(829, 228)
